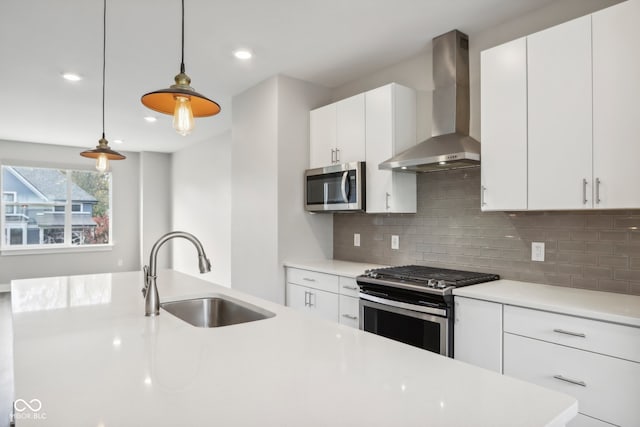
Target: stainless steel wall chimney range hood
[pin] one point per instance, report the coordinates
(450, 146)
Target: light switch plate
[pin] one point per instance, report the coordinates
(356, 239)
(395, 242)
(537, 251)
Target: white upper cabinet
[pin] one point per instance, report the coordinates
(337, 133)
(560, 125)
(390, 129)
(322, 136)
(616, 91)
(504, 127)
(579, 110)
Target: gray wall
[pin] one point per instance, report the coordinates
(594, 250)
(124, 256)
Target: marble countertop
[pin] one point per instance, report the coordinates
(606, 306)
(85, 355)
(333, 266)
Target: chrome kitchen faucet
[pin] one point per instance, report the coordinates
(150, 290)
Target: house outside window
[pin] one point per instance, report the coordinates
(54, 208)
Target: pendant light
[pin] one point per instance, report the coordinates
(181, 100)
(103, 153)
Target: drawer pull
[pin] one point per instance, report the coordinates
(308, 279)
(351, 288)
(573, 334)
(569, 380)
(348, 316)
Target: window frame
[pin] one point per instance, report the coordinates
(67, 246)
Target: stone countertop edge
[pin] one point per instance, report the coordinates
(605, 306)
(333, 266)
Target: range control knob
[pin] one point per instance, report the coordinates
(441, 284)
(431, 283)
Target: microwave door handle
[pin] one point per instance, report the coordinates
(344, 189)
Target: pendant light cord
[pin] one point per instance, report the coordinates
(182, 58)
(104, 56)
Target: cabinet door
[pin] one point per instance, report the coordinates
(322, 136)
(296, 296)
(390, 129)
(478, 333)
(313, 301)
(560, 111)
(616, 90)
(349, 311)
(504, 127)
(350, 135)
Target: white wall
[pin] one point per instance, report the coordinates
(201, 188)
(155, 204)
(125, 217)
(301, 234)
(270, 134)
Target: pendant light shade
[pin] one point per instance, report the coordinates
(103, 153)
(181, 100)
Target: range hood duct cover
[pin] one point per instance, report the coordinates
(450, 146)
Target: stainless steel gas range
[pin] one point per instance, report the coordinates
(413, 304)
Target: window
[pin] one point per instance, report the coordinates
(54, 208)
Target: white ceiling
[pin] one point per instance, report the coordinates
(328, 42)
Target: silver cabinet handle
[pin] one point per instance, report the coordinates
(570, 380)
(311, 295)
(387, 195)
(333, 158)
(306, 298)
(573, 334)
(308, 279)
(598, 191)
(351, 288)
(337, 155)
(348, 316)
(584, 191)
(482, 190)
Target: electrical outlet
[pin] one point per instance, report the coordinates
(395, 242)
(537, 251)
(356, 239)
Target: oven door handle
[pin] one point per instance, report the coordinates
(403, 305)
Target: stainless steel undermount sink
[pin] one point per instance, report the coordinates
(214, 311)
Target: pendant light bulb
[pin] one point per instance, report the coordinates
(183, 121)
(102, 163)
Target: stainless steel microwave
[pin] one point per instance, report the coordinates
(335, 188)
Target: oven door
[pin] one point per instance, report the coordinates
(419, 326)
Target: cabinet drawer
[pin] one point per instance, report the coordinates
(600, 337)
(313, 279)
(349, 286)
(349, 311)
(609, 387)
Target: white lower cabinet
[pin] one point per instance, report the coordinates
(588, 359)
(328, 296)
(477, 334)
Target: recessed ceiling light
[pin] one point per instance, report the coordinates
(150, 119)
(72, 77)
(118, 141)
(243, 54)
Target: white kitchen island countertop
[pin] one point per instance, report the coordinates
(333, 266)
(606, 306)
(84, 349)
